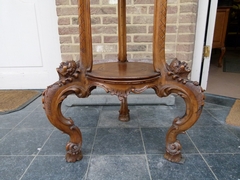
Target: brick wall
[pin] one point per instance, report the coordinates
(181, 19)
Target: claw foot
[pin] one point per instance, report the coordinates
(173, 152)
(74, 152)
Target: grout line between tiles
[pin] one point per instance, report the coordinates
(233, 153)
(222, 125)
(89, 161)
(17, 155)
(217, 106)
(214, 116)
(144, 147)
(229, 130)
(30, 112)
(202, 157)
(36, 155)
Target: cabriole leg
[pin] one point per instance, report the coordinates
(193, 98)
(177, 82)
(53, 96)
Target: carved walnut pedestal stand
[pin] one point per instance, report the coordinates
(121, 78)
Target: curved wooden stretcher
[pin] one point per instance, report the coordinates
(121, 78)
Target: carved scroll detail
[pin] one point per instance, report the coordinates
(193, 96)
(119, 92)
(73, 148)
(174, 148)
(179, 67)
(178, 70)
(74, 152)
(68, 71)
(71, 82)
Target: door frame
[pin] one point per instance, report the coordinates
(206, 16)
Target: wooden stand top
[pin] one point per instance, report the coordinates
(123, 71)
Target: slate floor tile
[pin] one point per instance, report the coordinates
(12, 167)
(214, 140)
(3, 132)
(118, 141)
(24, 141)
(9, 121)
(36, 120)
(179, 102)
(118, 167)
(39, 108)
(155, 117)
(220, 114)
(225, 166)
(206, 119)
(213, 106)
(33, 105)
(83, 116)
(109, 119)
(57, 142)
(56, 168)
(116, 150)
(219, 100)
(235, 130)
(193, 168)
(155, 138)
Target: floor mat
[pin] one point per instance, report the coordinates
(234, 116)
(231, 65)
(14, 100)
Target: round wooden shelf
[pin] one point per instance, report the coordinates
(123, 71)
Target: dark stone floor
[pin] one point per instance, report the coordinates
(31, 148)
